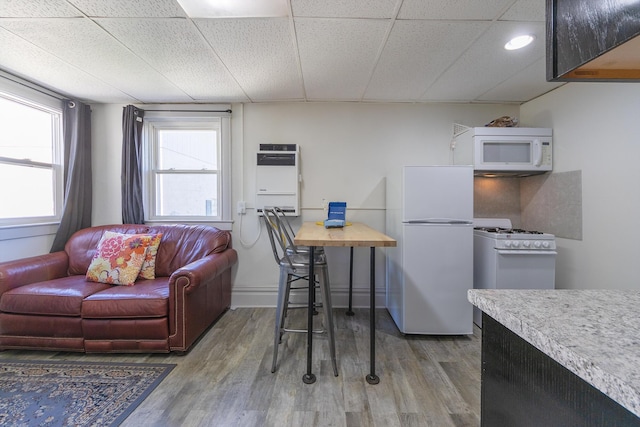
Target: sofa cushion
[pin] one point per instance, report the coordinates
(148, 298)
(119, 258)
(148, 270)
(58, 297)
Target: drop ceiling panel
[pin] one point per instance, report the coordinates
(37, 9)
(129, 8)
(453, 9)
(82, 44)
(416, 53)
(260, 53)
(523, 86)
(175, 48)
(338, 55)
(486, 63)
(331, 50)
(23, 59)
(344, 9)
(526, 10)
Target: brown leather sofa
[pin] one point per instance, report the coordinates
(46, 303)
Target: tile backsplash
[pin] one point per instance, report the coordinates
(551, 203)
(497, 198)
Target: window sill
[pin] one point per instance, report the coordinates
(222, 225)
(23, 231)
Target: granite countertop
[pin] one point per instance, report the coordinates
(593, 333)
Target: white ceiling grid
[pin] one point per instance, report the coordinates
(176, 49)
(338, 65)
(260, 53)
(143, 51)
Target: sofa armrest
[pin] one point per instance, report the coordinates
(198, 293)
(31, 270)
(194, 274)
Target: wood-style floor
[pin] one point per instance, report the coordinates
(226, 379)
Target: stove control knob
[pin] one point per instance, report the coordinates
(545, 244)
(537, 244)
(526, 243)
(516, 244)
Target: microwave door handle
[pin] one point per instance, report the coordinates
(537, 152)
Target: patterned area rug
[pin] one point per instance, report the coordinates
(48, 393)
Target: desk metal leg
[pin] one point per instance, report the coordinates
(309, 378)
(350, 311)
(372, 378)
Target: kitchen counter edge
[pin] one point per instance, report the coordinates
(593, 333)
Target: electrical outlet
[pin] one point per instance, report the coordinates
(242, 207)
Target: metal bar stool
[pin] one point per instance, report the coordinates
(287, 233)
(294, 267)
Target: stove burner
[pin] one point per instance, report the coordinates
(500, 230)
(521, 231)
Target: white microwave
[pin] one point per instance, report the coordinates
(505, 151)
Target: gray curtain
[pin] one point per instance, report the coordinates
(76, 130)
(132, 206)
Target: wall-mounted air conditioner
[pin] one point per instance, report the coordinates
(278, 178)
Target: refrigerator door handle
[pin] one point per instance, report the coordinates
(438, 221)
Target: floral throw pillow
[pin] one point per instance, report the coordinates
(119, 258)
(148, 270)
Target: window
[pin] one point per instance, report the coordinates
(187, 168)
(30, 158)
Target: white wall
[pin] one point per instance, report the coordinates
(346, 152)
(17, 246)
(106, 161)
(595, 131)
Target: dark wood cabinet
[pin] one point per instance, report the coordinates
(593, 40)
(523, 387)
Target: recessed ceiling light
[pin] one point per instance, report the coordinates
(235, 8)
(519, 42)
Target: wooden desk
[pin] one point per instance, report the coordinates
(355, 235)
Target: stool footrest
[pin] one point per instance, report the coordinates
(304, 331)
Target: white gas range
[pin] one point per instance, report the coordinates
(508, 258)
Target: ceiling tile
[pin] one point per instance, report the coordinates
(23, 59)
(129, 8)
(486, 64)
(168, 45)
(338, 55)
(37, 9)
(330, 50)
(416, 53)
(525, 10)
(522, 87)
(260, 53)
(453, 9)
(344, 9)
(82, 44)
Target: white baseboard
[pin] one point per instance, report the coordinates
(266, 297)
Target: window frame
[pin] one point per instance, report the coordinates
(21, 93)
(155, 120)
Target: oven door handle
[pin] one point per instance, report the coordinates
(524, 252)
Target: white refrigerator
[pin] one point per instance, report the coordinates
(430, 214)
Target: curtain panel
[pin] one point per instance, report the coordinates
(132, 199)
(76, 212)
